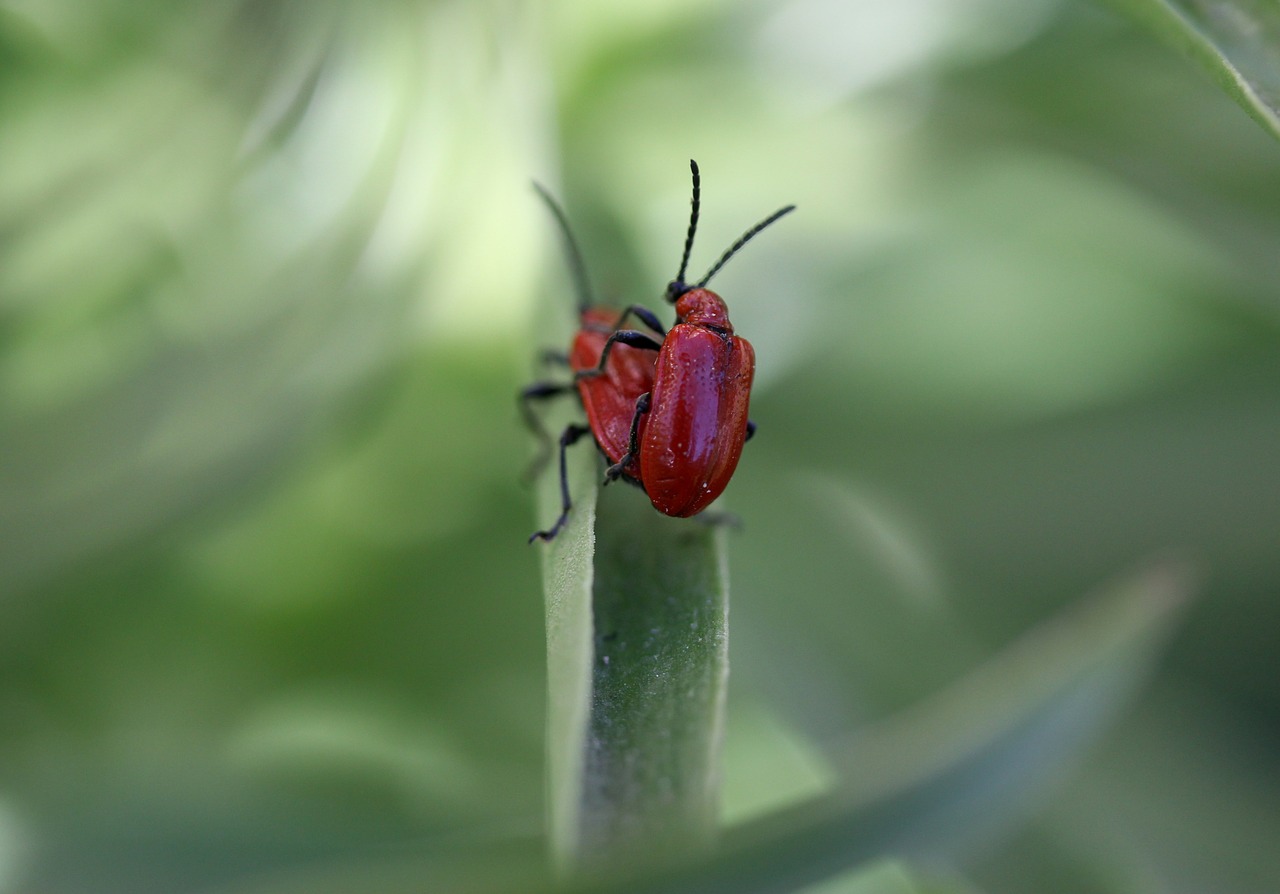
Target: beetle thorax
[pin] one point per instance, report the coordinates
(703, 307)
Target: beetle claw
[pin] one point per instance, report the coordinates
(614, 472)
(550, 534)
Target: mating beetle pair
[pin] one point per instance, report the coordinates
(668, 408)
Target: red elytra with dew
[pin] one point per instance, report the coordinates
(668, 409)
(697, 419)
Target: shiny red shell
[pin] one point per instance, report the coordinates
(610, 399)
(692, 436)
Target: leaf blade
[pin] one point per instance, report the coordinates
(637, 660)
(568, 576)
(1236, 41)
(658, 687)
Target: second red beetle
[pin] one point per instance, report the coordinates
(608, 387)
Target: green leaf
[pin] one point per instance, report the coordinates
(637, 666)
(567, 577)
(938, 772)
(889, 877)
(1237, 41)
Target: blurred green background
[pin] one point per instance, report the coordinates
(272, 272)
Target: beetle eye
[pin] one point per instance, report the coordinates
(675, 289)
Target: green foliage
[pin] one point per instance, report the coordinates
(271, 274)
(1237, 42)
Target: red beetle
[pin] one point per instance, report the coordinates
(610, 399)
(669, 409)
(608, 387)
(688, 432)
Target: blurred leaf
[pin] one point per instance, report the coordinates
(1237, 41)
(1185, 789)
(768, 764)
(884, 878)
(992, 735)
(943, 771)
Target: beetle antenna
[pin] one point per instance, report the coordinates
(577, 268)
(743, 240)
(677, 285)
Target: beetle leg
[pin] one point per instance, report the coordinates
(630, 337)
(633, 443)
(751, 429)
(568, 438)
(645, 315)
(539, 391)
(640, 312)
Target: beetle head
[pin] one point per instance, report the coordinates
(678, 288)
(703, 307)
